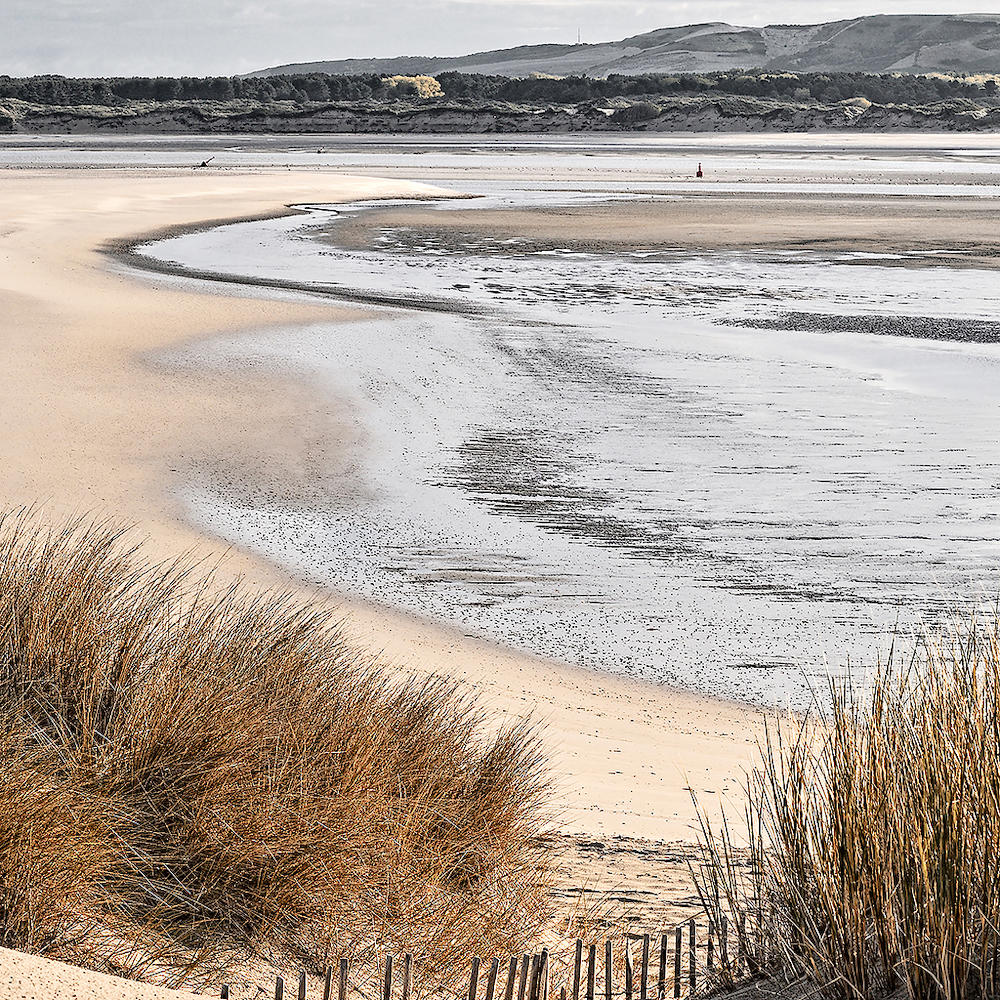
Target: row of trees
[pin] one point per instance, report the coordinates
(884, 88)
(302, 89)
(880, 88)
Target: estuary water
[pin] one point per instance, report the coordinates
(732, 470)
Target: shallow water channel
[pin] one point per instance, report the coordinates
(718, 469)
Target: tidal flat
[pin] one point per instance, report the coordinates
(681, 454)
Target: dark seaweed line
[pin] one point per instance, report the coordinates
(971, 331)
(142, 262)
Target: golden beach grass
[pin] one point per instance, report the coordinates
(191, 773)
(874, 830)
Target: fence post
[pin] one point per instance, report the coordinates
(279, 988)
(408, 975)
(523, 981)
(508, 993)
(544, 975)
(491, 981)
(608, 984)
(661, 983)
(644, 974)
(328, 984)
(342, 983)
(387, 986)
(302, 986)
(692, 957)
(577, 962)
(224, 995)
(628, 968)
(591, 971)
(473, 980)
(678, 939)
(533, 984)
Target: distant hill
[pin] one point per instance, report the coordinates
(907, 43)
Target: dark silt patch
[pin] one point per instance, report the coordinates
(528, 473)
(971, 331)
(533, 475)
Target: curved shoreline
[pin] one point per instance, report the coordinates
(92, 426)
(126, 251)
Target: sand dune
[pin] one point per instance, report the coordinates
(28, 976)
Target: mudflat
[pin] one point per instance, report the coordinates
(836, 223)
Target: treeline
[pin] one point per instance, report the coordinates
(883, 88)
(68, 91)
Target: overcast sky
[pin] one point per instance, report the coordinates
(205, 37)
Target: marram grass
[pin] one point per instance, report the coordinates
(873, 866)
(190, 773)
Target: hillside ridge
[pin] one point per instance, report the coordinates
(879, 43)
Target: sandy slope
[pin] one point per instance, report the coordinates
(27, 977)
(90, 426)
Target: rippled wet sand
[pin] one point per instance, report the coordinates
(718, 469)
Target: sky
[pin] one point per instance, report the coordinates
(225, 37)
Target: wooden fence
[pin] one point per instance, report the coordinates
(686, 962)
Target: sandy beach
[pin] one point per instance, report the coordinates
(92, 427)
(97, 424)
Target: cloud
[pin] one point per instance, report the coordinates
(200, 37)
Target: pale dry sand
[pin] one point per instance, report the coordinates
(28, 977)
(90, 426)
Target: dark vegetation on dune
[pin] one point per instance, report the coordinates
(306, 88)
(192, 774)
(455, 102)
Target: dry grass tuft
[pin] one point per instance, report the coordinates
(873, 866)
(189, 773)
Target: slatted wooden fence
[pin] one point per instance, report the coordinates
(687, 962)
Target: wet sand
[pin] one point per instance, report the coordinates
(91, 425)
(871, 224)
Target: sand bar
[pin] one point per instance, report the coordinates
(876, 224)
